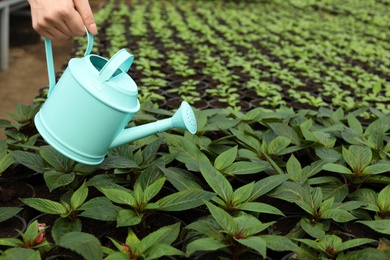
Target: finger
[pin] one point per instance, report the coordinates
(74, 23)
(49, 31)
(54, 33)
(84, 9)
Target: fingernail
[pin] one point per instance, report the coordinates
(92, 28)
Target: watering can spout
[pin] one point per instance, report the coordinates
(184, 119)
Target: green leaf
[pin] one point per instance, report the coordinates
(57, 160)
(80, 168)
(277, 145)
(117, 256)
(316, 197)
(242, 167)
(351, 136)
(313, 169)
(288, 191)
(32, 161)
(256, 243)
(294, 168)
(315, 230)
(56, 179)
(181, 179)
(376, 130)
(20, 253)
(6, 161)
(204, 244)
(184, 200)
(354, 243)
(100, 208)
(12, 242)
(208, 227)
(149, 175)
(217, 181)
(357, 157)
(338, 114)
(63, 226)
(8, 212)
(328, 155)
(118, 162)
(127, 218)
(267, 184)
(383, 198)
(223, 219)
(84, 244)
(279, 243)
(281, 129)
(260, 207)
(326, 139)
(248, 225)
(354, 124)
(242, 193)
(79, 196)
(152, 190)
(365, 195)
(247, 139)
(225, 159)
(119, 196)
(331, 187)
(336, 168)
(162, 235)
(31, 232)
(378, 168)
(102, 180)
(310, 243)
(149, 152)
(327, 204)
(160, 250)
(186, 151)
(365, 253)
(338, 215)
(308, 207)
(379, 225)
(45, 205)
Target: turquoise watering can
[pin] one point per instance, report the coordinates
(87, 111)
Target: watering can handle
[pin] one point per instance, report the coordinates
(121, 60)
(50, 60)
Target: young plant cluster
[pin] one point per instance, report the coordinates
(314, 53)
(229, 189)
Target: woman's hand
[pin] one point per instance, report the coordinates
(62, 19)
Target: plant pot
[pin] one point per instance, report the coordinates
(12, 192)
(201, 104)
(215, 103)
(255, 102)
(290, 256)
(9, 228)
(244, 105)
(173, 103)
(174, 77)
(248, 94)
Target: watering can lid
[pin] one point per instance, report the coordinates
(107, 80)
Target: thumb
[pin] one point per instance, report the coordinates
(84, 9)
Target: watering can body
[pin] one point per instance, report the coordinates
(87, 111)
